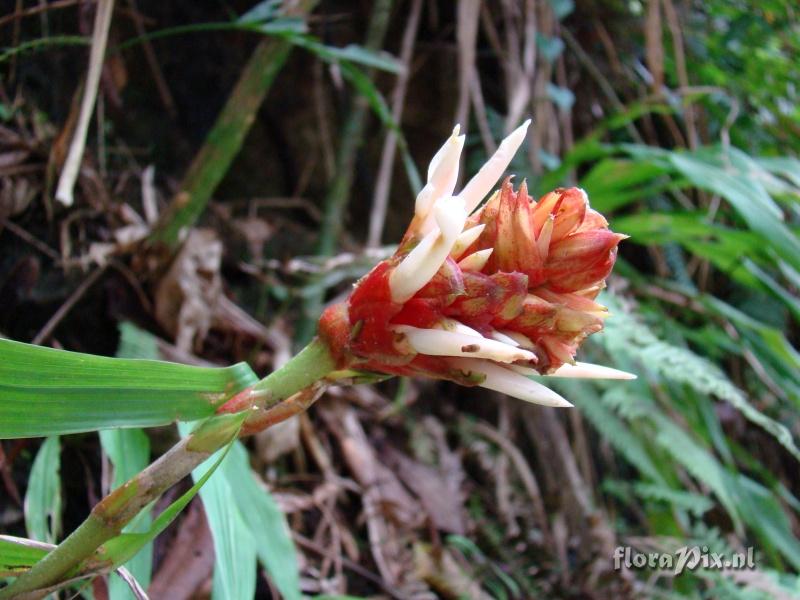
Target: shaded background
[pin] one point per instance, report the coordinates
(680, 119)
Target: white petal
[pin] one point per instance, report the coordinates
(582, 370)
(475, 261)
(521, 339)
(459, 327)
(450, 215)
(439, 342)
(527, 371)
(442, 175)
(502, 337)
(506, 381)
(466, 239)
(487, 177)
(424, 261)
(579, 370)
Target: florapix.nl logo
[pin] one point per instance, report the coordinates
(686, 558)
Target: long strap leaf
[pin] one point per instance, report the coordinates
(47, 392)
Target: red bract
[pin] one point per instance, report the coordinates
(566, 251)
(487, 298)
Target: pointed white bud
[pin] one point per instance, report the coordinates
(465, 240)
(439, 342)
(582, 370)
(442, 175)
(475, 261)
(506, 381)
(579, 370)
(485, 179)
(424, 261)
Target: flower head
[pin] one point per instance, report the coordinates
(482, 296)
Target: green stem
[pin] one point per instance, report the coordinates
(116, 510)
(311, 364)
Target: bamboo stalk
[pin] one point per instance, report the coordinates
(225, 138)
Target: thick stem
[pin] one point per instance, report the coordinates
(116, 510)
(310, 365)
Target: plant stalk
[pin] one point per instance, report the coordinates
(302, 376)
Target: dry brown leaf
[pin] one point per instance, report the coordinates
(441, 571)
(280, 439)
(439, 494)
(389, 509)
(187, 296)
(256, 231)
(189, 560)
(15, 195)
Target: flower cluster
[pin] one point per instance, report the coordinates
(486, 295)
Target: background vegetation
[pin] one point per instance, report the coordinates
(679, 118)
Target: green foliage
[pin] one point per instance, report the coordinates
(17, 555)
(125, 546)
(749, 50)
(247, 524)
(43, 498)
(47, 391)
(666, 425)
(707, 317)
(129, 452)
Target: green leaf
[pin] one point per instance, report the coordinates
(43, 498)
(261, 12)
(767, 517)
(266, 521)
(786, 166)
(234, 545)
(613, 183)
(129, 452)
(694, 503)
(43, 43)
(789, 299)
(722, 174)
(45, 391)
(618, 434)
(351, 53)
(246, 523)
(18, 554)
(703, 466)
(723, 246)
(683, 366)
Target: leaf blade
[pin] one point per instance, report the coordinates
(46, 392)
